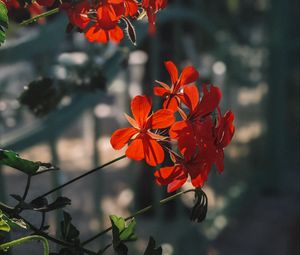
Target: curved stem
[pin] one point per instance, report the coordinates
(25, 239)
(55, 240)
(81, 176)
(142, 211)
(37, 17)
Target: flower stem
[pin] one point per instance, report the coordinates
(22, 240)
(140, 212)
(37, 17)
(27, 187)
(81, 176)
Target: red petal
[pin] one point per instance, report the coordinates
(227, 129)
(199, 174)
(97, 34)
(162, 119)
(191, 97)
(189, 75)
(116, 34)
(136, 150)
(154, 153)
(165, 175)
(159, 91)
(141, 107)
(172, 70)
(171, 104)
(184, 133)
(220, 160)
(209, 101)
(176, 184)
(121, 137)
(173, 176)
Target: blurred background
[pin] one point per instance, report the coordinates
(248, 48)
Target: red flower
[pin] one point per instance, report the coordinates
(195, 130)
(101, 22)
(77, 13)
(223, 133)
(11, 4)
(173, 94)
(144, 143)
(175, 176)
(152, 7)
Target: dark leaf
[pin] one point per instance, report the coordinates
(130, 31)
(199, 210)
(69, 232)
(151, 250)
(59, 203)
(41, 96)
(3, 22)
(39, 202)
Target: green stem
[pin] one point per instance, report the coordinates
(142, 211)
(37, 17)
(22, 240)
(81, 176)
(55, 240)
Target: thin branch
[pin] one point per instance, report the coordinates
(37, 17)
(142, 211)
(27, 187)
(81, 176)
(55, 240)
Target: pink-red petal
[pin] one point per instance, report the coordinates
(172, 70)
(121, 137)
(188, 75)
(162, 119)
(141, 107)
(154, 153)
(136, 149)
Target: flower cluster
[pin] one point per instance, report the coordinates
(100, 20)
(195, 141)
(35, 8)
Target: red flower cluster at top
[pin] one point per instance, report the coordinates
(35, 8)
(101, 20)
(200, 135)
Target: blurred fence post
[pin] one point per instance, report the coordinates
(277, 100)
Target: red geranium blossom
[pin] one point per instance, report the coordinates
(196, 128)
(177, 175)
(152, 7)
(173, 94)
(223, 133)
(101, 22)
(144, 143)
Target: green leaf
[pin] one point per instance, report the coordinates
(151, 250)
(3, 22)
(12, 159)
(122, 233)
(7, 223)
(4, 226)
